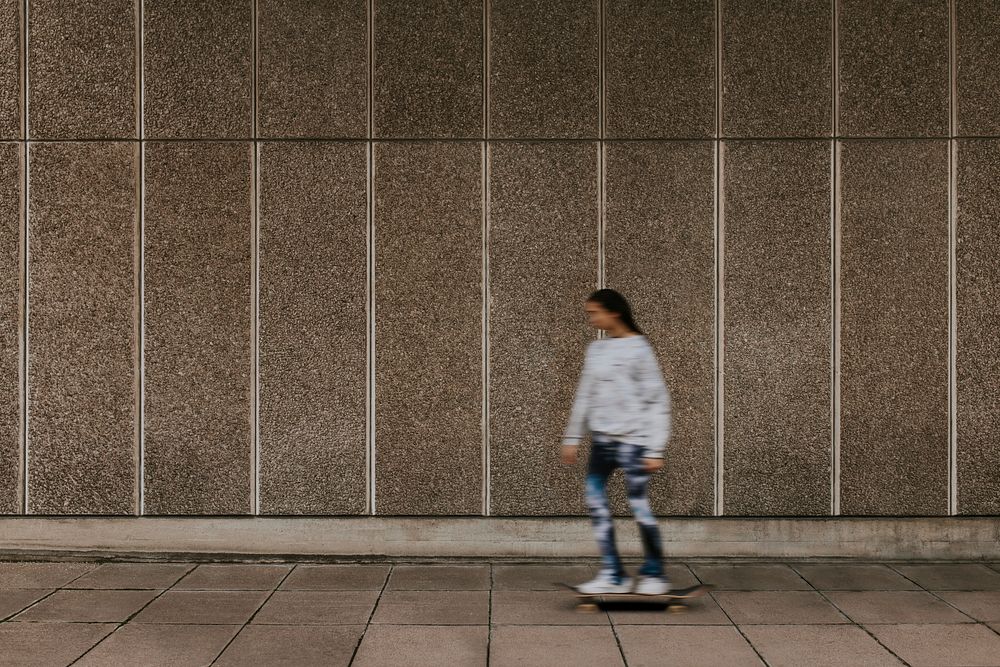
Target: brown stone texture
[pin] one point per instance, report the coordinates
(659, 245)
(83, 218)
(978, 320)
(894, 327)
(11, 308)
(778, 327)
(543, 263)
(428, 328)
(197, 69)
(428, 68)
(312, 68)
(978, 67)
(660, 68)
(10, 69)
(777, 60)
(893, 70)
(197, 327)
(82, 69)
(544, 68)
(313, 323)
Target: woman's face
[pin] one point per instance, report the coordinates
(599, 317)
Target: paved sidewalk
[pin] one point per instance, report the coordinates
(447, 613)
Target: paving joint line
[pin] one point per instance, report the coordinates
(371, 615)
(252, 616)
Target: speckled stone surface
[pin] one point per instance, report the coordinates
(659, 252)
(313, 76)
(429, 68)
(660, 68)
(10, 69)
(893, 68)
(978, 67)
(978, 347)
(543, 264)
(777, 61)
(428, 328)
(778, 319)
(83, 214)
(10, 326)
(198, 69)
(313, 319)
(197, 330)
(82, 69)
(544, 68)
(894, 327)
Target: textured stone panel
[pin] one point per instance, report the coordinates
(543, 265)
(659, 247)
(197, 334)
(10, 327)
(313, 323)
(778, 328)
(978, 67)
(777, 59)
(10, 69)
(544, 68)
(313, 68)
(978, 314)
(429, 68)
(82, 69)
(660, 68)
(428, 328)
(82, 447)
(198, 69)
(894, 327)
(893, 68)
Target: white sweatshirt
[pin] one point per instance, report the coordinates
(621, 394)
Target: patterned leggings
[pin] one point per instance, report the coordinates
(606, 455)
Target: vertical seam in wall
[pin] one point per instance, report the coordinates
(485, 250)
(601, 194)
(255, 284)
(835, 270)
(719, 277)
(140, 300)
(370, 260)
(25, 264)
(952, 258)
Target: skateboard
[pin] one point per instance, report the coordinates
(675, 600)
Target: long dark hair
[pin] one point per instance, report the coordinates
(614, 302)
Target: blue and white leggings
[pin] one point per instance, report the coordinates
(606, 455)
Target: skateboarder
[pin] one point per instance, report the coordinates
(622, 401)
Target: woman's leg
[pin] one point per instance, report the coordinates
(637, 485)
(602, 463)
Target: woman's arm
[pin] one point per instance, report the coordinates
(656, 403)
(575, 429)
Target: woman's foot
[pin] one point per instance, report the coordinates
(652, 586)
(606, 582)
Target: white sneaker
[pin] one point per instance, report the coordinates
(652, 586)
(604, 582)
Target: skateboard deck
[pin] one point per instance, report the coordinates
(675, 600)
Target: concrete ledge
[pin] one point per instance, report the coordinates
(954, 538)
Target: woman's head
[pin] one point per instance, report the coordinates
(606, 308)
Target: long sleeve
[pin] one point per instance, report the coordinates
(656, 404)
(578, 414)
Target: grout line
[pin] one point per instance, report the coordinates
(370, 260)
(859, 625)
(514, 140)
(140, 434)
(952, 261)
(719, 278)
(835, 266)
(368, 623)
(252, 616)
(485, 250)
(601, 156)
(25, 259)
(255, 283)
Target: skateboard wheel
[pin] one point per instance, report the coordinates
(587, 607)
(677, 608)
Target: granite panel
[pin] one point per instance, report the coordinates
(543, 265)
(11, 173)
(10, 69)
(778, 327)
(893, 68)
(197, 327)
(313, 68)
(544, 68)
(894, 327)
(82, 67)
(313, 390)
(428, 328)
(659, 247)
(197, 69)
(429, 68)
(978, 317)
(777, 61)
(83, 213)
(660, 68)
(978, 67)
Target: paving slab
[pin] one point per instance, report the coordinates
(41, 575)
(702, 611)
(13, 600)
(778, 607)
(433, 607)
(646, 646)
(818, 646)
(160, 646)
(860, 577)
(554, 646)
(202, 607)
(980, 605)
(336, 578)
(895, 607)
(952, 576)
(234, 577)
(439, 578)
(88, 606)
(539, 577)
(48, 644)
(751, 577)
(423, 646)
(541, 608)
(292, 646)
(941, 645)
(148, 576)
(318, 608)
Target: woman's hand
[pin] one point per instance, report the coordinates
(569, 454)
(652, 465)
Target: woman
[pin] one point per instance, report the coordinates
(623, 402)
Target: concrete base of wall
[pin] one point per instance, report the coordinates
(489, 537)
